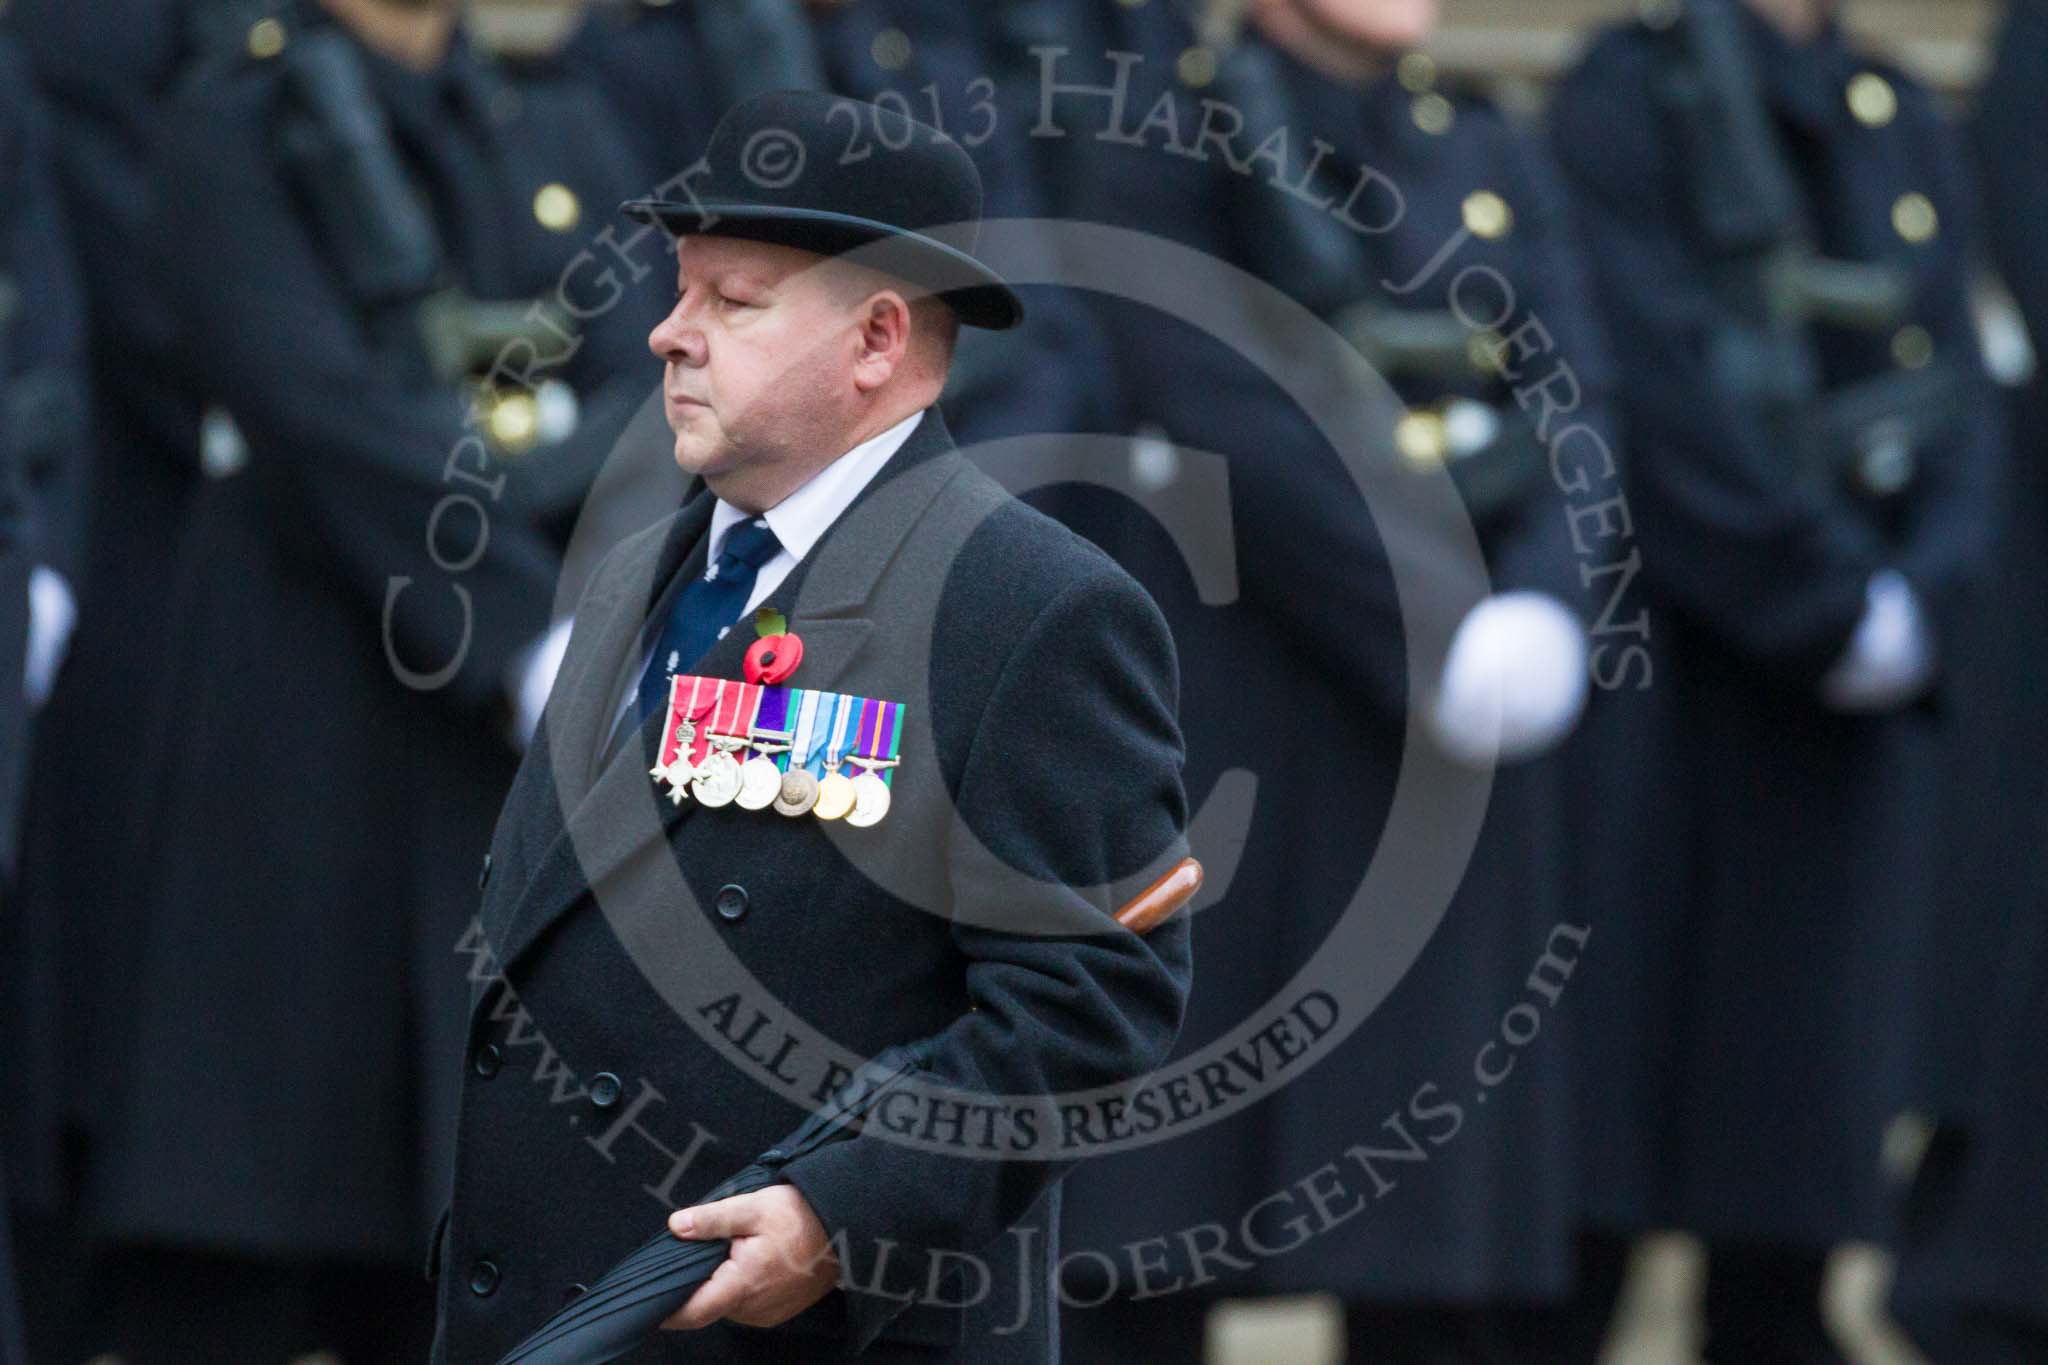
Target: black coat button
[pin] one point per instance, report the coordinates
(489, 1058)
(732, 900)
(483, 874)
(483, 1279)
(575, 1291)
(604, 1090)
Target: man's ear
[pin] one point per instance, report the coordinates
(881, 339)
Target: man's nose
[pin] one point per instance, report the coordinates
(676, 340)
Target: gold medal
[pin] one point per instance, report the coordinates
(760, 783)
(835, 797)
(799, 793)
(870, 801)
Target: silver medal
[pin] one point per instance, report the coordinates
(760, 783)
(718, 780)
(870, 801)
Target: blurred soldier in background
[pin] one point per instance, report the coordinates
(43, 454)
(1458, 1244)
(414, 391)
(1780, 230)
(1973, 1276)
(105, 71)
(43, 441)
(671, 69)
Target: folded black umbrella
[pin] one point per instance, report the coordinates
(640, 1293)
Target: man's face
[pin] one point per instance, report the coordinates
(759, 353)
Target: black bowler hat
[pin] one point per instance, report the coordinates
(833, 175)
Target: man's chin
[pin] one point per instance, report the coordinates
(698, 457)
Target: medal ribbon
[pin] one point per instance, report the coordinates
(732, 701)
(830, 706)
(680, 710)
(845, 727)
(892, 727)
(881, 730)
(806, 723)
(771, 718)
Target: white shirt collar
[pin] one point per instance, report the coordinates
(805, 515)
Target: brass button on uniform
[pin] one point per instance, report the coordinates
(1421, 439)
(483, 1279)
(1417, 73)
(1433, 114)
(1913, 347)
(732, 901)
(1915, 219)
(1487, 215)
(891, 49)
(266, 38)
(556, 207)
(1872, 100)
(605, 1089)
(1196, 67)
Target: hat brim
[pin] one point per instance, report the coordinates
(976, 293)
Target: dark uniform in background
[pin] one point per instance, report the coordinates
(104, 70)
(1972, 1287)
(1302, 681)
(1471, 1256)
(43, 405)
(43, 466)
(1804, 836)
(351, 605)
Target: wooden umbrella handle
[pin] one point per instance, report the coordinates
(1157, 903)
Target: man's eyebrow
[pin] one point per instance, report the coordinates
(723, 275)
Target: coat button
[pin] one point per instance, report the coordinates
(489, 1058)
(604, 1090)
(483, 1279)
(575, 1291)
(483, 875)
(732, 900)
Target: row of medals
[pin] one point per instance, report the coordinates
(723, 780)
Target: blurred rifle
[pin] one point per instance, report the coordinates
(338, 150)
(1490, 449)
(1774, 282)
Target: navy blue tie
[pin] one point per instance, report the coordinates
(706, 606)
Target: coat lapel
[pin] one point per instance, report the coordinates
(614, 810)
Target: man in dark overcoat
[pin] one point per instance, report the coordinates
(664, 988)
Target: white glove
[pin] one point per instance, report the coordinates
(52, 612)
(1890, 658)
(533, 678)
(1514, 681)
